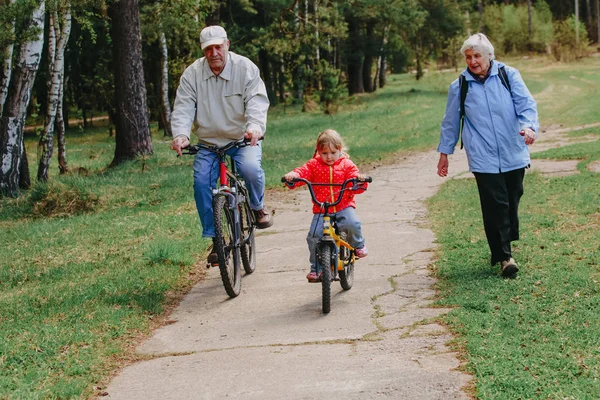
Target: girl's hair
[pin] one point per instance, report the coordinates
(478, 42)
(330, 137)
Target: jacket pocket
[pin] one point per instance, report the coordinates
(235, 101)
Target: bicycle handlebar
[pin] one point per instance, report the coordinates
(355, 181)
(195, 148)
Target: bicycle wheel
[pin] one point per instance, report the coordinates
(324, 261)
(228, 253)
(248, 245)
(347, 274)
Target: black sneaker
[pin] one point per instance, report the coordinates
(509, 268)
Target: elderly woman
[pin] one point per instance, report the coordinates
(497, 115)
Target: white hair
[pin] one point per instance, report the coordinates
(478, 42)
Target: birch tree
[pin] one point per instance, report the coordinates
(59, 30)
(165, 110)
(7, 51)
(15, 109)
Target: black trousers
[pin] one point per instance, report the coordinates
(499, 195)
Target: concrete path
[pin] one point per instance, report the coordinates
(273, 342)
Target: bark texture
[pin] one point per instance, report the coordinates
(7, 66)
(131, 114)
(59, 30)
(12, 171)
(165, 112)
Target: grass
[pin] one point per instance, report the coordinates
(535, 336)
(90, 262)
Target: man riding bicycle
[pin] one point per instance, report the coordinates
(223, 95)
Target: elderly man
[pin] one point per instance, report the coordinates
(223, 95)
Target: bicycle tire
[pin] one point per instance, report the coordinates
(227, 251)
(248, 240)
(324, 260)
(347, 274)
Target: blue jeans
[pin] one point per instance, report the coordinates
(347, 221)
(206, 171)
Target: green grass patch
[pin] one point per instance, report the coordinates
(535, 336)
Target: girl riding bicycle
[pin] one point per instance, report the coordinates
(331, 164)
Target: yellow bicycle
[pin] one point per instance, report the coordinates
(335, 257)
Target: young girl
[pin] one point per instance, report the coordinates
(331, 164)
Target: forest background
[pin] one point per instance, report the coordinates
(122, 59)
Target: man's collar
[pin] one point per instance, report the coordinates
(225, 74)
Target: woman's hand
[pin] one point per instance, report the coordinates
(442, 167)
(529, 136)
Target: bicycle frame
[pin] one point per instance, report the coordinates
(229, 180)
(330, 235)
(234, 220)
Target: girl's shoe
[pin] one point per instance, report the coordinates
(312, 276)
(362, 252)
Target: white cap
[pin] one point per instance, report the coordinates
(212, 35)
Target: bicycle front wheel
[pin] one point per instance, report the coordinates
(346, 274)
(227, 251)
(248, 245)
(324, 260)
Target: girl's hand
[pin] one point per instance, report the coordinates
(291, 175)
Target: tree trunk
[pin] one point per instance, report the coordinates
(419, 55)
(58, 36)
(132, 129)
(215, 17)
(369, 59)
(383, 71)
(12, 163)
(530, 25)
(381, 60)
(355, 58)
(7, 66)
(598, 23)
(60, 134)
(165, 109)
(480, 9)
(577, 24)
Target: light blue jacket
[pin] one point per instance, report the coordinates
(493, 120)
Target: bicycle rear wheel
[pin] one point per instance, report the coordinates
(248, 245)
(324, 261)
(227, 251)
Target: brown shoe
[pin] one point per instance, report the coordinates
(509, 267)
(212, 258)
(263, 218)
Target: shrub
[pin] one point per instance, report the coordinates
(564, 45)
(59, 199)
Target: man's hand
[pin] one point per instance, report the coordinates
(179, 143)
(529, 136)
(253, 136)
(442, 167)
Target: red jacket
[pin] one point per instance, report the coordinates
(316, 171)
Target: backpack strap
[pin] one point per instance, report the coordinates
(504, 79)
(464, 88)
